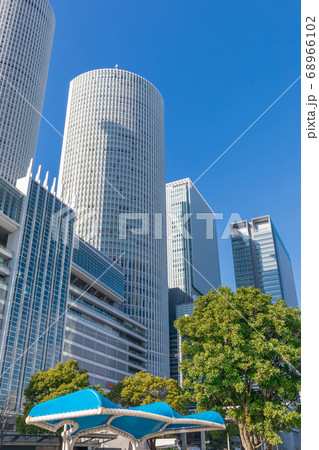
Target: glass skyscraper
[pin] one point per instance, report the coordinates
(26, 37)
(179, 305)
(59, 297)
(109, 344)
(192, 257)
(192, 247)
(261, 259)
(37, 232)
(113, 161)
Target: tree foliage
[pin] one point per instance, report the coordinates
(242, 355)
(144, 388)
(64, 379)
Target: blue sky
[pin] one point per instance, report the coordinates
(218, 65)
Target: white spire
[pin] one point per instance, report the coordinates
(38, 175)
(53, 186)
(46, 180)
(30, 168)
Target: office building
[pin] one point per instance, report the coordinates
(180, 304)
(26, 37)
(106, 342)
(58, 301)
(36, 233)
(113, 161)
(261, 259)
(192, 248)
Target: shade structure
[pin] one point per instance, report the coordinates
(87, 411)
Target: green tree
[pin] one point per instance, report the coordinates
(64, 379)
(242, 355)
(144, 388)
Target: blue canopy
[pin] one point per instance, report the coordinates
(87, 411)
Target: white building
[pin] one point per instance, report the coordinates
(113, 161)
(26, 37)
(192, 248)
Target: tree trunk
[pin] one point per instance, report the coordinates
(245, 438)
(268, 446)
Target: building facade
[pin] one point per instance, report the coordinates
(59, 297)
(113, 160)
(192, 247)
(106, 342)
(179, 305)
(36, 245)
(261, 259)
(26, 37)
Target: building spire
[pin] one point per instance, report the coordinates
(38, 175)
(30, 168)
(53, 186)
(46, 180)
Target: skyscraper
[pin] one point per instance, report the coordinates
(36, 248)
(180, 304)
(58, 301)
(261, 259)
(26, 37)
(113, 161)
(109, 344)
(192, 248)
(192, 259)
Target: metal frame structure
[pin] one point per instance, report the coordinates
(70, 434)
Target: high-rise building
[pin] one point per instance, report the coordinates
(192, 248)
(26, 37)
(109, 344)
(192, 257)
(36, 235)
(180, 304)
(261, 259)
(59, 296)
(113, 161)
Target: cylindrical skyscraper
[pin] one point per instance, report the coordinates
(26, 37)
(113, 160)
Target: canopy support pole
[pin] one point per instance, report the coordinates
(68, 441)
(203, 440)
(64, 434)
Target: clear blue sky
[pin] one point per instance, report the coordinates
(218, 65)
